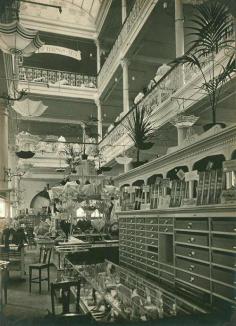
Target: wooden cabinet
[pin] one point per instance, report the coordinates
(190, 250)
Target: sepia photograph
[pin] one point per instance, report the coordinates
(118, 162)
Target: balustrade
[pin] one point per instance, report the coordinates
(56, 78)
(129, 26)
(178, 77)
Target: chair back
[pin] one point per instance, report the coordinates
(64, 288)
(45, 255)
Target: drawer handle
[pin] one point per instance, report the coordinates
(166, 230)
(192, 239)
(189, 225)
(152, 235)
(191, 267)
(166, 222)
(192, 279)
(191, 253)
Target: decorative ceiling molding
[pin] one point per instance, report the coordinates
(103, 12)
(78, 18)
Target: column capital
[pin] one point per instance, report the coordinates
(97, 42)
(124, 62)
(97, 101)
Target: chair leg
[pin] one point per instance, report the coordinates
(40, 280)
(30, 278)
(48, 270)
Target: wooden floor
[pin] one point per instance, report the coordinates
(32, 309)
(21, 304)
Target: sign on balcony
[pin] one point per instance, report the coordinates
(60, 51)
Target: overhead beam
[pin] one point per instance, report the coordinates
(151, 60)
(62, 121)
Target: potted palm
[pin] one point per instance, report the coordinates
(211, 32)
(140, 129)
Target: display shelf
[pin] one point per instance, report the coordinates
(157, 288)
(222, 142)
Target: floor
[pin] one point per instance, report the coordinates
(23, 305)
(27, 309)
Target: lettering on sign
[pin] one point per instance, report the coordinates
(60, 51)
(192, 175)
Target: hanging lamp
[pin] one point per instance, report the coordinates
(26, 145)
(29, 108)
(18, 40)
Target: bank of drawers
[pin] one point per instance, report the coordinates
(193, 238)
(205, 252)
(224, 242)
(224, 275)
(193, 280)
(193, 266)
(193, 253)
(224, 291)
(192, 224)
(224, 225)
(224, 259)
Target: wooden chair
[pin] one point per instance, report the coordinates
(43, 264)
(64, 289)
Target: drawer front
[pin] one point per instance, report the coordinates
(152, 242)
(140, 233)
(192, 238)
(166, 220)
(224, 259)
(224, 225)
(140, 246)
(131, 238)
(152, 227)
(140, 220)
(152, 263)
(151, 220)
(192, 224)
(224, 242)
(224, 291)
(201, 254)
(165, 228)
(151, 235)
(140, 240)
(140, 227)
(193, 266)
(193, 280)
(224, 276)
(153, 256)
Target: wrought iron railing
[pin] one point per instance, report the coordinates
(56, 77)
(127, 28)
(171, 82)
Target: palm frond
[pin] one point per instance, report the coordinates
(140, 126)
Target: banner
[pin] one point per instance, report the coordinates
(60, 51)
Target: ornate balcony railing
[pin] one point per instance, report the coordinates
(182, 80)
(135, 20)
(56, 78)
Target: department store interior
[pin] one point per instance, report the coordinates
(118, 162)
